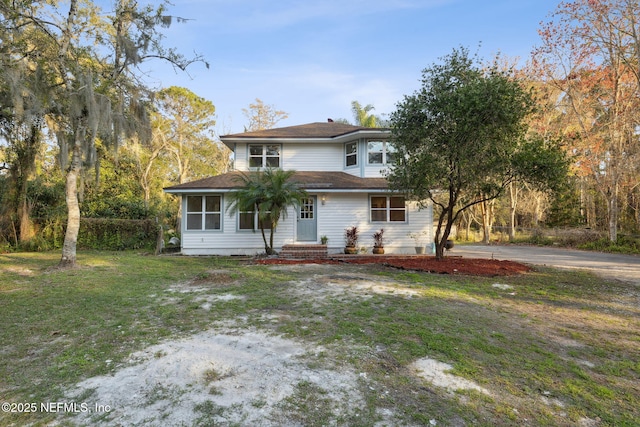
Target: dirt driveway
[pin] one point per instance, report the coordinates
(620, 267)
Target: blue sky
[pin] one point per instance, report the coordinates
(312, 58)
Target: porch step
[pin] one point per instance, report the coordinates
(304, 251)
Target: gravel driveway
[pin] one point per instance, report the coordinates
(620, 267)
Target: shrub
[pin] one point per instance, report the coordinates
(117, 234)
(623, 245)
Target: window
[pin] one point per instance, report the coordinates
(380, 152)
(307, 208)
(204, 212)
(264, 156)
(246, 220)
(351, 153)
(249, 221)
(388, 209)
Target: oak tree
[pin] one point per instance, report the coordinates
(98, 93)
(460, 139)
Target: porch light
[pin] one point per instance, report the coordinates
(323, 199)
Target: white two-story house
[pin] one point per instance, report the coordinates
(342, 169)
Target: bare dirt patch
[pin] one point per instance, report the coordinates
(448, 265)
(213, 278)
(212, 378)
(235, 374)
(437, 373)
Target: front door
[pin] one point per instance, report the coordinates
(307, 221)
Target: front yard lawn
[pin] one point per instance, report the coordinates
(546, 347)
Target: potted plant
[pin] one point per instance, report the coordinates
(378, 243)
(324, 240)
(418, 239)
(351, 240)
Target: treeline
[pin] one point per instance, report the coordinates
(126, 186)
(585, 75)
(81, 135)
(73, 98)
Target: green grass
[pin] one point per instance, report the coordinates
(557, 348)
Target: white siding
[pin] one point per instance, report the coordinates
(302, 157)
(340, 211)
(229, 241)
(313, 157)
(316, 157)
(347, 209)
(240, 157)
(374, 171)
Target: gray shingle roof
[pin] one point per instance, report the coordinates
(311, 130)
(310, 181)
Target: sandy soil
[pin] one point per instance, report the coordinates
(245, 374)
(242, 376)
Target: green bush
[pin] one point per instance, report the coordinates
(95, 233)
(117, 234)
(52, 231)
(623, 244)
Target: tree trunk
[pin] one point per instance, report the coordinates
(437, 240)
(537, 211)
(264, 239)
(440, 250)
(487, 219)
(26, 225)
(271, 233)
(73, 210)
(513, 199)
(441, 240)
(24, 165)
(613, 213)
(179, 217)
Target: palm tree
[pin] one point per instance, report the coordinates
(362, 116)
(269, 193)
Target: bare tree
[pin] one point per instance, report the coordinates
(590, 53)
(262, 116)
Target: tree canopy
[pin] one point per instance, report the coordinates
(81, 66)
(461, 139)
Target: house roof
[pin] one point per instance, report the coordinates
(310, 181)
(308, 132)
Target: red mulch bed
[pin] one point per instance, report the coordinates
(448, 265)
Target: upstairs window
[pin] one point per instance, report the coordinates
(380, 152)
(351, 153)
(204, 212)
(388, 209)
(264, 156)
